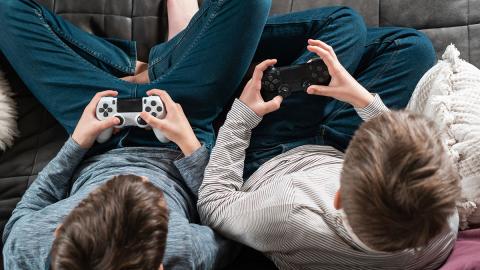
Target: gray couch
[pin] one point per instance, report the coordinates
(445, 21)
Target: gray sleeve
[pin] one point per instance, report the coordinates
(192, 168)
(210, 249)
(51, 185)
(374, 109)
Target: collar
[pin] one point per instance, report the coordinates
(350, 232)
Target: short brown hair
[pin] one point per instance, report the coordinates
(120, 225)
(398, 184)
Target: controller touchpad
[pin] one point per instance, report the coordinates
(129, 105)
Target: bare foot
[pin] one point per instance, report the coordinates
(180, 12)
(140, 76)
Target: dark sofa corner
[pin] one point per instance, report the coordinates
(444, 21)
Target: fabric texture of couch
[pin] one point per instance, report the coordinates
(445, 21)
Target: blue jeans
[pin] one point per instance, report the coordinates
(64, 67)
(387, 61)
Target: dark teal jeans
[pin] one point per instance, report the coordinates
(200, 68)
(388, 61)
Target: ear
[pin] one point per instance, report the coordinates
(337, 202)
(57, 230)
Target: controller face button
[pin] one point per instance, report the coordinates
(153, 103)
(270, 78)
(159, 109)
(154, 114)
(148, 109)
(272, 87)
(276, 81)
(141, 122)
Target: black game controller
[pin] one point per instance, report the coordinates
(284, 81)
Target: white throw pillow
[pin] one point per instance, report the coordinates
(8, 115)
(449, 93)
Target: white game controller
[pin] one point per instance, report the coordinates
(128, 111)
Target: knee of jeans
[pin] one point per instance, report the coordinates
(256, 5)
(350, 18)
(419, 46)
(10, 8)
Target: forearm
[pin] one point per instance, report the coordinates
(52, 183)
(224, 172)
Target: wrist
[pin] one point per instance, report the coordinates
(363, 99)
(189, 145)
(83, 143)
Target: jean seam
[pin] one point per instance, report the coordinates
(62, 43)
(162, 58)
(192, 45)
(195, 42)
(95, 54)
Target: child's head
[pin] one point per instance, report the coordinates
(398, 185)
(122, 224)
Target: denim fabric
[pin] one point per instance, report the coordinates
(200, 68)
(387, 61)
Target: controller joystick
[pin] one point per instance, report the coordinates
(128, 112)
(284, 81)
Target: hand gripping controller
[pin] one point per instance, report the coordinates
(284, 81)
(128, 111)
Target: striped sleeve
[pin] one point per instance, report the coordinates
(374, 109)
(223, 205)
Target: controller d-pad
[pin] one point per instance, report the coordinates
(110, 110)
(101, 110)
(105, 106)
(148, 109)
(105, 114)
(276, 81)
(270, 78)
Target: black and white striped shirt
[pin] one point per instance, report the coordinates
(285, 209)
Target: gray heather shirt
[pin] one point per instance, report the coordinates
(285, 209)
(67, 180)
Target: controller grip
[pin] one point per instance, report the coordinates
(105, 135)
(160, 136)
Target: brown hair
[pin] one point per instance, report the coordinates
(120, 225)
(398, 184)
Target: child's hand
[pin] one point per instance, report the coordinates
(175, 125)
(251, 94)
(89, 127)
(343, 86)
